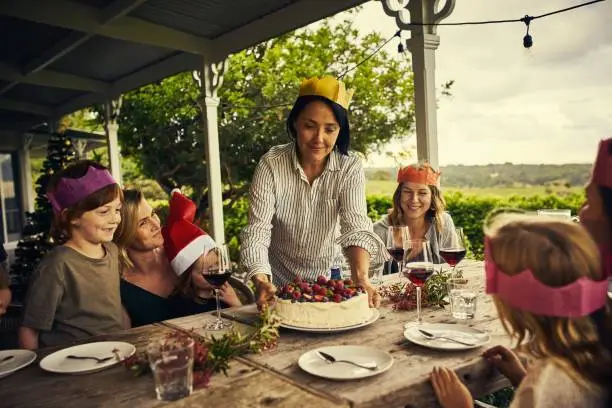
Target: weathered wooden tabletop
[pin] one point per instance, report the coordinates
(406, 384)
(273, 379)
(247, 385)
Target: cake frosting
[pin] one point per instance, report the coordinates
(326, 304)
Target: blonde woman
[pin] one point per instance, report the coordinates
(546, 280)
(147, 277)
(151, 290)
(418, 204)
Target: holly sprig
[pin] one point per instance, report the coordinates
(214, 354)
(433, 293)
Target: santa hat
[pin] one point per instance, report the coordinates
(184, 242)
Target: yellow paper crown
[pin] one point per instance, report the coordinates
(327, 87)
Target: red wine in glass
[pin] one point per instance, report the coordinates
(453, 256)
(397, 254)
(217, 279)
(418, 272)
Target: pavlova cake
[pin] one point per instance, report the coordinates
(324, 304)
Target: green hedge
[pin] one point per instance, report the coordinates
(468, 211)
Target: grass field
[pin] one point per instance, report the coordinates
(383, 187)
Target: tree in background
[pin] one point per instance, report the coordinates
(160, 125)
(36, 241)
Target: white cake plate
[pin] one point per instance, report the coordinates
(372, 319)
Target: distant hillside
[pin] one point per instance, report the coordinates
(502, 175)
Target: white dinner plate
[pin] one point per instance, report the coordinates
(59, 363)
(455, 331)
(13, 360)
(372, 319)
(313, 364)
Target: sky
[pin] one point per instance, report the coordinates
(550, 104)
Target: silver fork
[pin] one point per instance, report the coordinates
(332, 359)
(433, 336)
(97, 359)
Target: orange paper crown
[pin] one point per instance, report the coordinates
(327, 87)
(419, 173)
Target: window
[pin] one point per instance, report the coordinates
(10, 199)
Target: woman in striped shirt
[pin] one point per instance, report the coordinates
(307, 199)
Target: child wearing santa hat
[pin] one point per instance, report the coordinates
(191, 251)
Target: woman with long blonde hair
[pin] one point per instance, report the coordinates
(147, 277)
(151, 289)
(546, 280)
(418, 204)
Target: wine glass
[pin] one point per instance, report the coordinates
(418, 267)
(397, 240)
(217, 275)
(454, 252)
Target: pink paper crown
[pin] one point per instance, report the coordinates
(70, 191)
(602, 170)
(525, 292)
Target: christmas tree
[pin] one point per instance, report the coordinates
(37, 241)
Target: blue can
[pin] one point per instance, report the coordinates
(336, 273)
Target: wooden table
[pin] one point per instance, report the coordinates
(273, 379)
(117, 387)
(406, 384)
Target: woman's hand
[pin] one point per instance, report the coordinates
(228, 295)
(506, 363)
(373, 295)
(449, 389)
(265, 291)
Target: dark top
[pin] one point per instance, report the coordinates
(142, 306)
(180, 306)
(145, 307)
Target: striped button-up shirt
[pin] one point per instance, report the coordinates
(298, 229)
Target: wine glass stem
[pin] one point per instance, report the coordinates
(419, 319)
(218, 304)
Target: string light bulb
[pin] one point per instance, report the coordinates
(527, 39)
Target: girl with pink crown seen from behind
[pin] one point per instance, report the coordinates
(74, 293)
(547, 284)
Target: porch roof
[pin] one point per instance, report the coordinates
(60, 56)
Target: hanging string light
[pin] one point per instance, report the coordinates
(527, 43)
(527, 40)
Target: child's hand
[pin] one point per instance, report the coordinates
(228, 295)
(506, 363)
(449, 389)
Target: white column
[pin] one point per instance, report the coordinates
(112, 109)
(26, 175)
(211, 78)
(422, 44)
(423, 48)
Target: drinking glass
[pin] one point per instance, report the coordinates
(171, 361)
(418, 267)
(217, 275)
(559, 214)
(453, 252)
(397, 241)
(463, 297)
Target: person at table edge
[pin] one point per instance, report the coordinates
(418, 204)
(302, 191)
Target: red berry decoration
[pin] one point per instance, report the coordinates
(321, 280)
(348, 282)
(296, 294)
(337, 298)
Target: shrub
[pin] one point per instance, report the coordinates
(468, 211)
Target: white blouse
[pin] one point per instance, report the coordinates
(298, 229)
